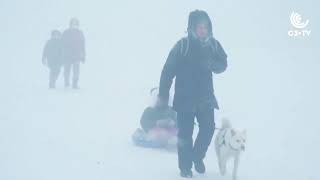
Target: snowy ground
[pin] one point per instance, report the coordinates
(269, 89)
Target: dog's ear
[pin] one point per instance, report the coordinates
(233, 132)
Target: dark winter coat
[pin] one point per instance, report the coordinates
(53, 52)
(73, 45)
(192, 62)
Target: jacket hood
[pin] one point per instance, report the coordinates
(196, 17)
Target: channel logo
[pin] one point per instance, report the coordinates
(299, 26)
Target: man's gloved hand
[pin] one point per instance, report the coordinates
(83, 60)
(162, 102)
(44, 62)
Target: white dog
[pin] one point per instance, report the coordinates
(229, 143)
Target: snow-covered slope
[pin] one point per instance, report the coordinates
(270, 88)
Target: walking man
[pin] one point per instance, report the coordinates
(73, 52)
(192, 61)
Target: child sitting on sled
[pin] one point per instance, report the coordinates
(158, 126)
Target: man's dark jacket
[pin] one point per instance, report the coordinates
(192, 63)
(73, 45)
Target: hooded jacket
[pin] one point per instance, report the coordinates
(192, 63)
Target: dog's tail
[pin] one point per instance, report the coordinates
(225, 123)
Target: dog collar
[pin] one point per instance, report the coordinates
(224, 142)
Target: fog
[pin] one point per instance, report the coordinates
(271, 88)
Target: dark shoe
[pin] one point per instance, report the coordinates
(199, 167)
(186, 174)
(52, 86)
(75, 86)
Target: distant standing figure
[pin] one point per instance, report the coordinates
(73, 52)
(52, 57)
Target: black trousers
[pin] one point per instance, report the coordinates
(187, 151)
(75, 66)
(54, 71)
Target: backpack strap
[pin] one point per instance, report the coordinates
(184, 46)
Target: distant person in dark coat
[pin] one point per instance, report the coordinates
(73, 52)
(52, 57)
